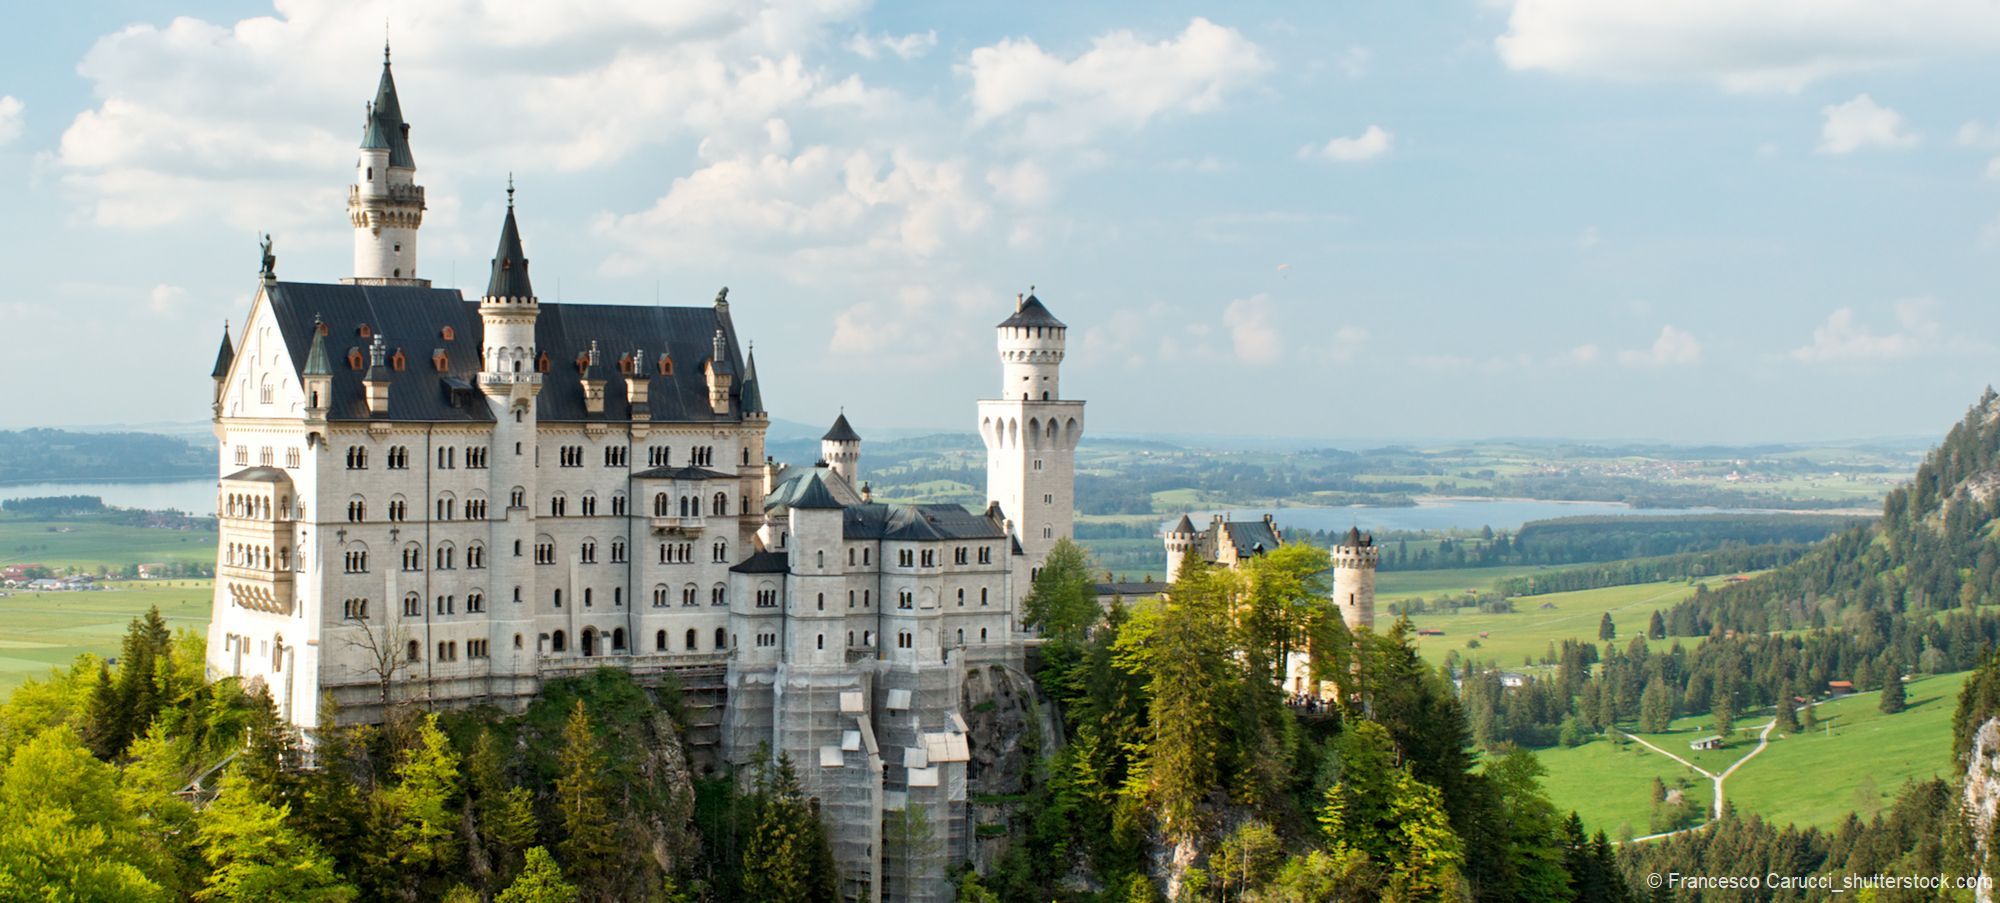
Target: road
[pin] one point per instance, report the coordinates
(1763, 740)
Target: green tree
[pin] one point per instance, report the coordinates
(124, 705)
(1180, 644)
(590, 842)
(1656, 628)
(255, 855)
(1788, 716)
(788, 859)
(1378, 809)
(1893, 694)
(1656, 707)
(421, 811)
(66, 835)
(540, 881)
(1062, 602)
(503, 810)
(1606, 630)
(1724, 710)
(1246, 860)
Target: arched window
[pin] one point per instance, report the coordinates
(278, 653)
(721, 638)
(822, 601)
(660, 641)
(413, 651)
(690, 640)
(720, 506)
(618, 639)
(558, 642)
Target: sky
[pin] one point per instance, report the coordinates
(1681, 220)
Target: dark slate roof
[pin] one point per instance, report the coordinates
(681, 473)
(224, 356)
(510, 263)
(752, 394)
(763, 562)
(388, 116)
(1184, 527)
(259, 475)
(918, 523)
(372, 137)
(1249, 538)
(842, 431)
(413, 319)
(792, 481)
(1032, 313)
(812, 494)
(1354, 538)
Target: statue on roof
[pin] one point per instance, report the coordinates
(270, 266)
(722, 297)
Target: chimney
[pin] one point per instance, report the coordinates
(719, 376)
(376, 381)
(593, 381)
(636, 385)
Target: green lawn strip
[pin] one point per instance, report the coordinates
(1857, 759)
(1611, 784)
(87, 544)
(1529, 629)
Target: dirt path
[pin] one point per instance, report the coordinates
(1763, 740)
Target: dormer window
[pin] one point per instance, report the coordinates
(666, 365)
(448, 333)
(440, 361)
(354, 359)
(397, 361)
(364, 332)
(542, 363)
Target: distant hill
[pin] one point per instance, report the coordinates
(1932, 550)
(36, 455)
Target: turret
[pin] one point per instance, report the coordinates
(317, 376)
(1180, 541)
(224, 357)
(592, 377)
(636, 385)
(841, 449)
(752, 394)
(385, 204)
(508, 310)
(1031, 352)
(1354, 559)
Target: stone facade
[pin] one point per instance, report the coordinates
(429, 500)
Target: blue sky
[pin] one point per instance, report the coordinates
(1686, 220)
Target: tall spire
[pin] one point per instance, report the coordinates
(387, 114)
(753, 394)
(510, 263)
(225, 355)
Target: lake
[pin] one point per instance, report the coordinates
(191, 496)
(1438, 514)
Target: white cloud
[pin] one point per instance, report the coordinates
(1843, 339)
(487, 84)
(1588, 238)
(10, 118)
(1371, 143)
(918, 324)
(1252, 333)
(824, 204)
(1025, 184)
(1120, 82)
(166, 299)
(1767, 45)
(909, 46)
(1860, 124)
(1674, 347)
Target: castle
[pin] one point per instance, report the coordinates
(1230, 544)
(425, 498)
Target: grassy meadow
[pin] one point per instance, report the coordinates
(86, 543)
(1610, 785)
(48, 630)
(1529, 629)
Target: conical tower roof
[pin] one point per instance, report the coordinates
(510, 263)
(753, 395)
(387, 116)
(225, 355)
(842, 431)
(316, 362)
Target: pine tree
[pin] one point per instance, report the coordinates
(540, 881)
(1606, 630)
(1656, 707)
(421, 812)
(1893, 694)
(1811, 720)
(590, 843)
(1724, 709)
(1181, 645)
(1657, 627)
(1788, 717)
(788, 859)
(256, 856)
(503, 810)
(1062, 603)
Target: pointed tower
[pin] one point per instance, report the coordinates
(385, 203)
(1031, 432)
(317, 376)
(840, 448)
(1180, 541)
(224, 357)
(508, 311)
(510, 376)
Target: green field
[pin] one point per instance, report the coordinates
(1610, 784)
(1530, 628)
(48, 630)
(1391, 586)
(87, 544)
(1817, 779)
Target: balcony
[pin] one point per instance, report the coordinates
(674, 524)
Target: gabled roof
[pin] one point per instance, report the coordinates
(224, 356)
(510, 263)
(813, 495)
(1032, 313)
(793, 480)
(842, 431)
(415, 319)
(1248, 537)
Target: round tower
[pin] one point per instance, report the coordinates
(1354, 579)
(1180, 541)
(840, 448)
(1031, 353)
(385, 203)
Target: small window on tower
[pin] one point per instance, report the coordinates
(399, 247)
